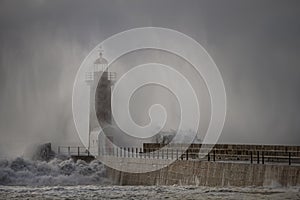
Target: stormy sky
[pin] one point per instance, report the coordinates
(255, 44)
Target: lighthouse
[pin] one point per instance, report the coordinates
(100, 82)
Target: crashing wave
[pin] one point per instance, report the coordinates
(55, 172)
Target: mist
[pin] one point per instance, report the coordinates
(255, 44)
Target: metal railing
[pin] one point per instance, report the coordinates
(72, 151)
(214, 155)
(89, 76)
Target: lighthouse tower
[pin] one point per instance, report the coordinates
(100, 82)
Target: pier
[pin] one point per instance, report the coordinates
(251, 154)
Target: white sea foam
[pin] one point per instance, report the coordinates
(55, 172)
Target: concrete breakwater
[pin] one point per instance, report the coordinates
(224, 165)
(203, 173)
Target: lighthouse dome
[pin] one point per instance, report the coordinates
(101, 60)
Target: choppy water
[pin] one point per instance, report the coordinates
(66, 179)
(144, 192)
(56, 172)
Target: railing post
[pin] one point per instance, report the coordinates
(208, 157)
(69, 151)
(257, 157)
(78, 151)
(132, 150)
(136, 152)
(263, 157)
(172, 153)
(251, 154)
(153, 153)
(187, 154)
(167, 154)
(214, 155)
(162, 153)
(290, 162)
(177, 154)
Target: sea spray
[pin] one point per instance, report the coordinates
(21, 171)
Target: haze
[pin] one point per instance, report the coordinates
(255, 44)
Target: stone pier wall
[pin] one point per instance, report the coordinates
(203, 173)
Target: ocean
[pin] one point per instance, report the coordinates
(145, 192)
(66, 179)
